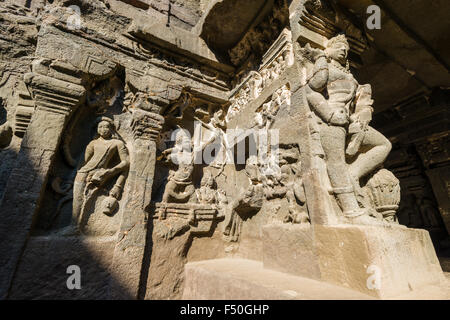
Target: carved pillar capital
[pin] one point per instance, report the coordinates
(56, 86)
(146, 125)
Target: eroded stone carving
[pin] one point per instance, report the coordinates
(345, 114)
(97, 169)
(248, 204)
(279, 58)
(266, 114)
(6, 134)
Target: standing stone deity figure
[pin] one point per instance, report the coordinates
(216, 142)
(265, 74)
(343, 109)
(98, 168)
(275, 70)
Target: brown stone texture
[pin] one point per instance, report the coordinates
(343, 255)
(165, 278)
(247, 280)
(238, 279)
(43, 271)
(223, 149)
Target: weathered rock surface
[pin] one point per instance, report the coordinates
(140, 136)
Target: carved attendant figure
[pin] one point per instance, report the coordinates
(248, 204)
(96, 170)
(206, 194)
(179, 187)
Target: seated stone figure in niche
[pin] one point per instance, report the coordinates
(343, 109)
(97, 169)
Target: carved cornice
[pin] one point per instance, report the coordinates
(278, 58)
(142, 49)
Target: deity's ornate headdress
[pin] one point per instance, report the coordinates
(337, 39)
(103, 118)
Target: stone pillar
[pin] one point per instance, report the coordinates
(320, 207)
(129, 252)
(56, 95)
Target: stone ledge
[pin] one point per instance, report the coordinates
(240, 279)
(351, 255)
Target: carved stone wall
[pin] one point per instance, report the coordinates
(132, 146)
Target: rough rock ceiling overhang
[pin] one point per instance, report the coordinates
(410, 54)
(226, 21)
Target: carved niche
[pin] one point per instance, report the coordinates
(87, 182)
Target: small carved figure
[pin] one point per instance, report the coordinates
(179, 187)
(265, 74)
(273, 109)
(256, 85)
(285, 95)
(261, 118)
(275, 70)
(247, 205)
(206, 194)
(288, 55)
(217, 141)
(222, 203)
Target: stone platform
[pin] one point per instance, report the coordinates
(240, 279)
(381, 261)
(326, 262)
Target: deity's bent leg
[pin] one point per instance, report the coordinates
(379, 147)
(333, 143)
